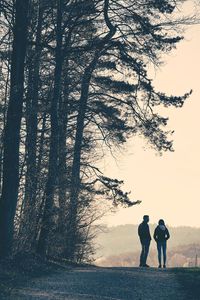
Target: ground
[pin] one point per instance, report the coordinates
(94, 283)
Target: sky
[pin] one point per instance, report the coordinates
(168, 185)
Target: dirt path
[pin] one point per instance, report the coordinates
(104, 283)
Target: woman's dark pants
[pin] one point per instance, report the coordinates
(162, 247)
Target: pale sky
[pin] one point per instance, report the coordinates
(168, 185)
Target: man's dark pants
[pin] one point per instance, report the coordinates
(145, 251)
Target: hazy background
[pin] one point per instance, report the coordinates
(168, 185)
(120, 246)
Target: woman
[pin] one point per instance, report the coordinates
(161, 235)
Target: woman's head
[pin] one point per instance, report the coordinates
(161, 222)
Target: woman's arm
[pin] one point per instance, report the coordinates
(155, 235)
(167, 234)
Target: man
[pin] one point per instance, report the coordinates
(145, 239)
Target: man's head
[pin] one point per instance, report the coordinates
(146, 218)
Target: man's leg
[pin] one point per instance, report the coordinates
(146, 252)
(142, 255)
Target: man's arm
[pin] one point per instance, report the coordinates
(140, 230)
(148, 232)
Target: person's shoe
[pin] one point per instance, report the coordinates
(159, 266)
(164, 266)
(140, 265)
(146, 266)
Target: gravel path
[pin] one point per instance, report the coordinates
(93, 283)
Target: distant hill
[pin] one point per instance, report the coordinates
(123, 240)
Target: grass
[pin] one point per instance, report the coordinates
(189, 278)
(19, 270)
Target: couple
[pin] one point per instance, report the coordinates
(161, 235)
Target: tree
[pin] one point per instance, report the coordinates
(75, 177)
(10, 185)
(32, 100)
(54, 141)
(117, 107)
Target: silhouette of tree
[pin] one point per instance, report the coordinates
(10, 183)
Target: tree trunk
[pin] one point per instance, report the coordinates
(10, 186)
(62, 152)
(75, 175)
(6, 95)
(29, 216)
(39, 204)
(54, 141)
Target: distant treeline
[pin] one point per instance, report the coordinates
(123, 239)
(181, 256)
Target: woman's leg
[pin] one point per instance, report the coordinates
(159, 252)
(164, 248)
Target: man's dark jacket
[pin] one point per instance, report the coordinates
(143, 232)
